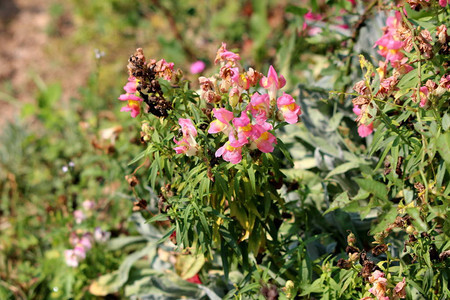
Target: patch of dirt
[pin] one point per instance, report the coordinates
(27, 53)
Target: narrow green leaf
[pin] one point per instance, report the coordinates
(376, 188)
(341, 201)
(342, 168)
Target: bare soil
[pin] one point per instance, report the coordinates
(29, 53)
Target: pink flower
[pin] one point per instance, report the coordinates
(379, 285)
(164, 69)
(197, 67)
(231, 150)
(290, 110)
(399, 290)
(79, 216)
(444, 3)
(263, 139)
(272, 82)
(375, 276)
(86, 241)
(423, 92)
(71, 258)
(445, 82)
(363, 130)
(224, 55)
(100, 235)
(243, 126)
(259, 107)
(88, 205)
(80, 252)
(134, 102)
(310, 16)
(390, 48)
(187, 145)
(74, 239)
(222, 122)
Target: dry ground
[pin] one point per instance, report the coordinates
(29, 53)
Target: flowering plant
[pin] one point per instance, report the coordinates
(229, 197)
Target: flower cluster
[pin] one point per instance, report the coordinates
(143, 86)
(245, 118)
(379, 287)
(396, 40)
(81, 240)
(131, 95)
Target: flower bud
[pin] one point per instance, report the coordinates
(410, 229)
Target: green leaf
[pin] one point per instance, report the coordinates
(417, 220)
(251, 176)
(388, 218)
(446, 122)
(409, 80)
(341, 201)
(315, 287)
(443, 146)
(299, 11)
(188, 266)
(158, 217)
(342, 168)
(376, 188)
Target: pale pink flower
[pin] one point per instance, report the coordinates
(100, 235)
(243, 126)
(73, 239)
(290, 110)
(164, 69)
(71, 258)
(222, 122)
(259, 107)
(187, 145)
(79, 216)
(231, 151)
(224, 55)
(423, 92)
(272, 82)
(379, 285)
(445, 82)
(80, 251)
(88, 205)
(197, 67)
(263, 139)
(86, 241)
(399, 290)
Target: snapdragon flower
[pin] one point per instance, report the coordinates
(134, 102)
(272, 82)
(224, 55)
(263, 139)
(222, 122)
(259, 107)
(187, 145)
(231, 151)
(289, 109)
